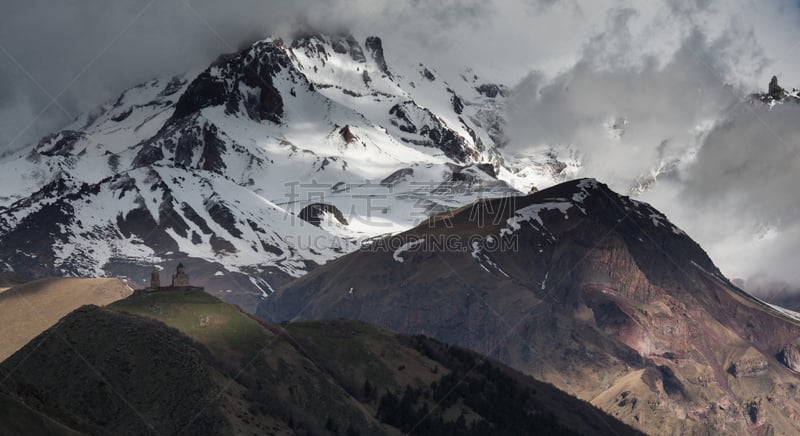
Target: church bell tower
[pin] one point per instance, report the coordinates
(155, 280)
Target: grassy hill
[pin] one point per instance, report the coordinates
(28, 309)
(185, 362)
(17, 419)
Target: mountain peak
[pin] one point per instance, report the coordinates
(583, 288)
(776, 94)
(224, 81)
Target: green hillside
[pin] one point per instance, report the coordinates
(187, 363)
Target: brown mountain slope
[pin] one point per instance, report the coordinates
(28, 309)
(595, 293)
(186, 363)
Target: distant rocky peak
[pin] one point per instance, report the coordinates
(776, 94)
(775, 90)
(222, 83)
(492, 90)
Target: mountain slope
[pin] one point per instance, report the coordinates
(26, 310)
(586, 289)
(17, 418)
(184, 361)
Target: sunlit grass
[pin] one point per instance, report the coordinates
(221, 327)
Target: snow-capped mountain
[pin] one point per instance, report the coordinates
(216, 168)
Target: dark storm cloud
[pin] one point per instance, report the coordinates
(86, 52)
(626, 118)
(635, 112)
(743, 182)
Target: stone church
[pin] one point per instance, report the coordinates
(180, 281)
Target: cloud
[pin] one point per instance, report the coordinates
(626, 119)
(637, 90)
(85, 53)
(668, 115)
(739, 193)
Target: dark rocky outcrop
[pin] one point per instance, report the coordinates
(174, 85)
(774, 90)
(188, 142)
(458, 104)
(790, 356)
(749, 367)
(61, 143)
(374, 46)
(220, 84)
(492, 90)
(347, 134)
(356, 52)
(776, 94)
(433, 131)
(468, 174)
(313, 213)
(204, 91)
(397, 176)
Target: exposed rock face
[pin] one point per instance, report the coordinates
(458, 105)
(755, 411)
(775, 91)
(60, 144)
(244, 84)
(473, 173)
(347, 134)
(314, 213)
(595, 293)
(397, 177)
(375, 48)
(776, 94)
(426, 129)
(492, 90)
(223, 82)
(751, 364)
(790, 356)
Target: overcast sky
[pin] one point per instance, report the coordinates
(674, 72)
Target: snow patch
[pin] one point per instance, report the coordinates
(530, 214)
(405, 247)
